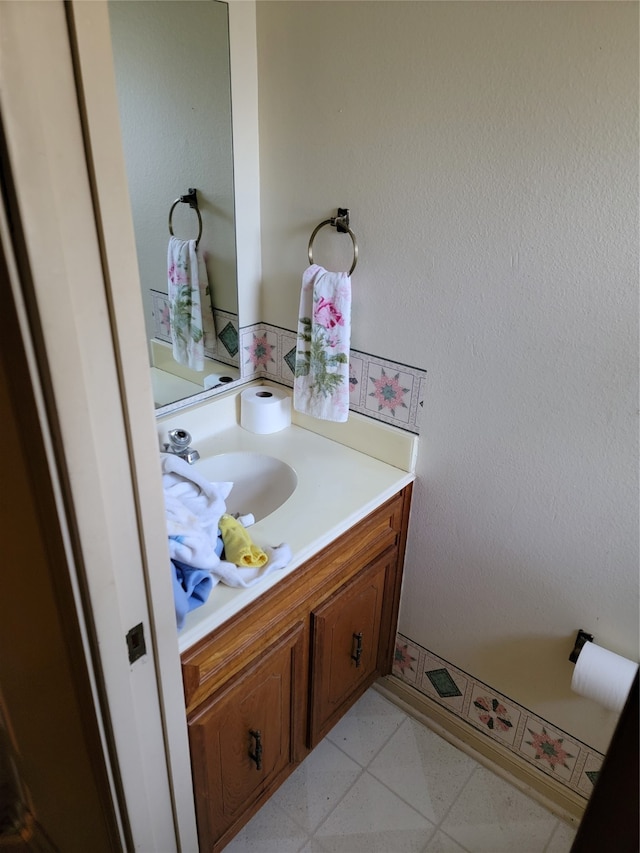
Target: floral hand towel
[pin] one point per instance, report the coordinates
(190, 310)
(321, 386)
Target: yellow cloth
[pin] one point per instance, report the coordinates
(238, 547)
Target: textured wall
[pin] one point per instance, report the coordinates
(488, 153)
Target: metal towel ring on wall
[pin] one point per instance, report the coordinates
(191, 198)
(341, 222)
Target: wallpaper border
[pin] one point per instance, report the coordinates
(379, 388)
(545, 747)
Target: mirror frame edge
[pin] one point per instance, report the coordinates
(243, 49)
(246, 175)
(243, 63)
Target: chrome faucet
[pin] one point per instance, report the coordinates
(179, 441)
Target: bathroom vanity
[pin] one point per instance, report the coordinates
(268, 671)
(265, 687)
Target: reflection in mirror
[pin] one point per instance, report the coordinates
(171, 60)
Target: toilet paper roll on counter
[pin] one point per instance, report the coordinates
(603, 676)
(264, 410)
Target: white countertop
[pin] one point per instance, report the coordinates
(337, 487)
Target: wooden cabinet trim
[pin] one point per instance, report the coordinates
(394, 588)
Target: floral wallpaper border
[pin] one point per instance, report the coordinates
(378, 388)
(381, 389)
(547, 748)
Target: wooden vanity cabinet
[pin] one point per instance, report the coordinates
(245, 738)
(266, 686)
(345, 634)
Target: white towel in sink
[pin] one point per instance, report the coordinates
(193, 508)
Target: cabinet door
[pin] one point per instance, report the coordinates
(245, 738)
(345, 643)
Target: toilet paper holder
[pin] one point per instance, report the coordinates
(581, 638)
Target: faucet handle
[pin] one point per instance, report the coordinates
(180, 439)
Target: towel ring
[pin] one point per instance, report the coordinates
(191, 198)
(341, 222)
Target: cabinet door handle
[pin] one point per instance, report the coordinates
(357, 653)
(257, 755)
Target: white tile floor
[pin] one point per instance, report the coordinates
(381, 782)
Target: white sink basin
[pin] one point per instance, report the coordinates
(261, 483)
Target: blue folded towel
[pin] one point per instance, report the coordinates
(191, 588)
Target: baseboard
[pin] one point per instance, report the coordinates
(553, 795)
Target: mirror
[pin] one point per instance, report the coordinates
(173, 80)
